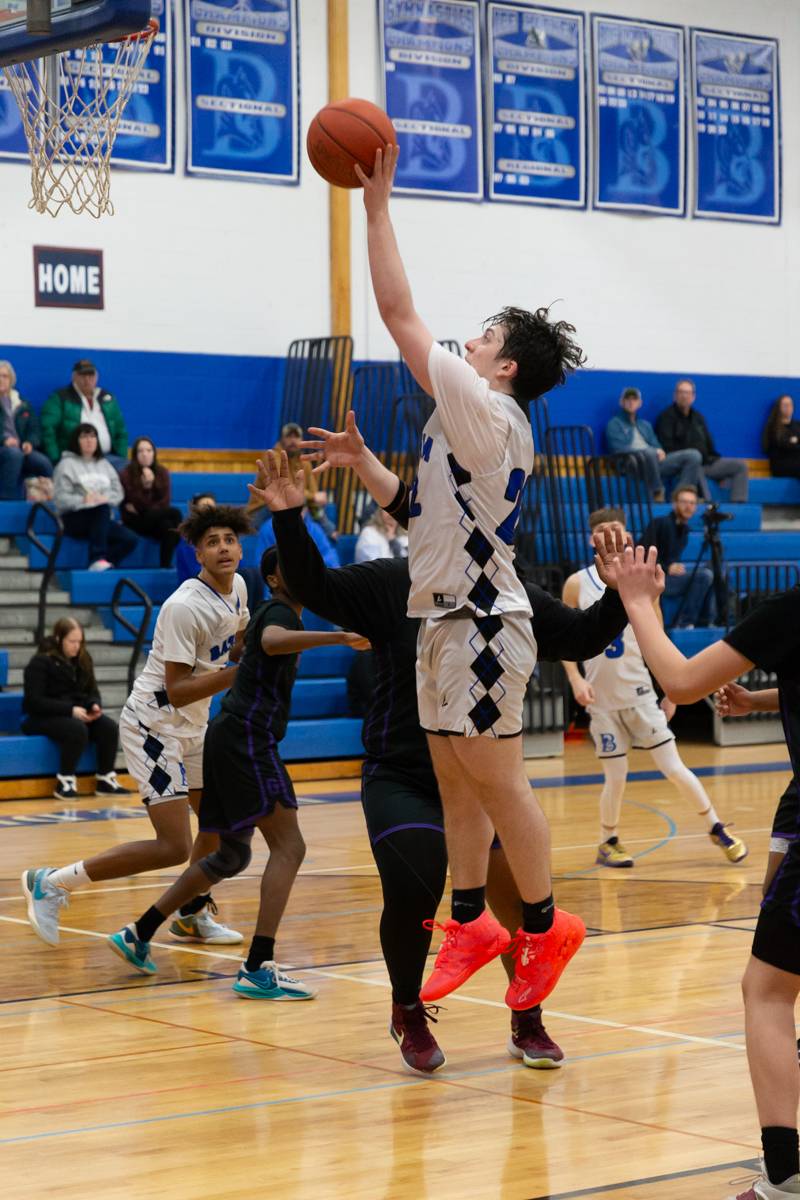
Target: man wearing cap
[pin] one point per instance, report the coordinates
(626, 434)
(84, 402)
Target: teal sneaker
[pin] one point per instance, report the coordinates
(43, 901)
(269, 982)
(127, 945)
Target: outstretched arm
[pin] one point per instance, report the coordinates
(348, 449)
(389, 281)
(640, 581)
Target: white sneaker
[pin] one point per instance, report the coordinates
(44, 901)
(762, 1189)
(201, 927)
(100, 564)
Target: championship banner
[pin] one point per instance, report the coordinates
(537, 105)
(737, 127)
(242, 77)
(431, 52)
(639, 116)
(145, 133)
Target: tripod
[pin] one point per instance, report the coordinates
(712, 542)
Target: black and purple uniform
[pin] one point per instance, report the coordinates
(243, 775)
(399, 792)
(769, 637)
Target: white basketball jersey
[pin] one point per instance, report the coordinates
(197, 626)
(619, 676)
(476, 456)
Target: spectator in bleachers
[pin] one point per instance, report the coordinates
(86, 489)
(20, 457)
(330, 554)
(83, 402)
(669, 535)
(682, 427)
(316, 500)
(381, 537)
(62, 702)
(146, 508)
(626, 433)
(781, 440)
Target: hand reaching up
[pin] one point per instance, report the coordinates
(330, 449)
(278, 483)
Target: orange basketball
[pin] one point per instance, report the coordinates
(346, 133)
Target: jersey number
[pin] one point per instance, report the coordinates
(616, 649)
(506, 530)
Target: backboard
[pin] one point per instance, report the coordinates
(72, 23)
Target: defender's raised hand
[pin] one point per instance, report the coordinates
(278, 483)
(638, 575)
(330, 449)
(609, 545)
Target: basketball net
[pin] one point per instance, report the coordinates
(71, 104)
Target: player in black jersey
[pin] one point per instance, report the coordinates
(399, 791)
(769, 638)
(246, 786)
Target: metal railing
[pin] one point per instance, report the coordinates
(138, 633)
(50, 555)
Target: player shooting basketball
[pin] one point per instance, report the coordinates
(476, 650)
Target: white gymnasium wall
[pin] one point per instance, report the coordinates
(646, 293)
(206, 266)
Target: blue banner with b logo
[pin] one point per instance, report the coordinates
(431, 52)
(537, 118)
(736, 123)
(639, 107)
(242, 89)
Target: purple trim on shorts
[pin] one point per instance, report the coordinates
(400, 828)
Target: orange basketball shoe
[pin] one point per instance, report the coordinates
(539, 959)
(465, 949)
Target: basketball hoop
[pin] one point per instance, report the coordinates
(71, 103)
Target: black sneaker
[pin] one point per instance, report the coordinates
(109, 785)
(66, 787)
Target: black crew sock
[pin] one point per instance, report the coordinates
(262, 949)
(467, 904)
(147, 925)
(781, 1155)
(538, 917)
(195, 906)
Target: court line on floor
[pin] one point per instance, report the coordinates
(385, 984)
(743, 1164)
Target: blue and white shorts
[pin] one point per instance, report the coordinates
(165, 765)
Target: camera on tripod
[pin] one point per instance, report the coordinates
(712, 517)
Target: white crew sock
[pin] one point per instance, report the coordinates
(69, 878)
(615, 772)
(669, 763)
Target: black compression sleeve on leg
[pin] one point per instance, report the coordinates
(412, 864)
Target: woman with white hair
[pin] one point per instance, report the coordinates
(19, 438)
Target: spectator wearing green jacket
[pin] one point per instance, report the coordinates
(19, 438)
(83, 402)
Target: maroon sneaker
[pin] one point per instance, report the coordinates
(530, 1041)
(418, 1047)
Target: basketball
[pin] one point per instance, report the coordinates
(346, 133)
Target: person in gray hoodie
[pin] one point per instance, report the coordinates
(86, 489)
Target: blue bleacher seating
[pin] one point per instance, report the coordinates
(73, 554)
(3, 668)
(10, 711)
(97, 587)
(775, 491)
(229, 487)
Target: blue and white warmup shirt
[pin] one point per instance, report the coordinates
(196, 626)
(464, 505)
(619, 676)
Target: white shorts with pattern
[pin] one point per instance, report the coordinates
(472, 674)
(164, 765)
(616, 731)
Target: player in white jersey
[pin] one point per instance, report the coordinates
(476, 650)
(617, 691)
(162, 728)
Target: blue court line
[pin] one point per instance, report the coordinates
(550, 781)
(672, 830)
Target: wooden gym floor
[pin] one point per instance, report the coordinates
(115, 1085)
